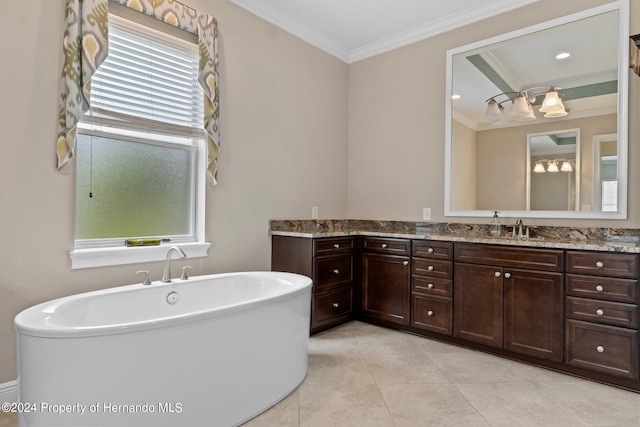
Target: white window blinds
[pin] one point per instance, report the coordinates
(147, 81)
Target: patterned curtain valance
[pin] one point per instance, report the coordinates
(85, 47)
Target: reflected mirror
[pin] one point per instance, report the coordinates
(553, 171)
(510, 97)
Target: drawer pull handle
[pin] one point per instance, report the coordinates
(599, 264)
(507, 275)
(430, 250)
(335, 305)
(430, 286)
(384, 245)
(405, 263)
(600, 349)
(336, 271)
(430, 313)
(599, 288)
(600, 312)
(336, 245)
(497, 274)
(430, 268)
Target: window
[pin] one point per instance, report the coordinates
(140, 151)
(609, 193)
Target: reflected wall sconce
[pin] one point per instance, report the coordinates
(552, 166)
(523, 101)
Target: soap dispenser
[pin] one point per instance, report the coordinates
(496, 227)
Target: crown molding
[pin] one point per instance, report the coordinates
(295, 27)
(434, 28)
(340, 51)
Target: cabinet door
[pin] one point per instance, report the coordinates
(386, 287)
(477, 303)
(533, 313)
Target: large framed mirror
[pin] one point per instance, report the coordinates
(514, 97)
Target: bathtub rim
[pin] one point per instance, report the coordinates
(29, 321)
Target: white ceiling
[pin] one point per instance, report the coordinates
(356, 29)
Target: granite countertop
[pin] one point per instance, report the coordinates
(591, 239)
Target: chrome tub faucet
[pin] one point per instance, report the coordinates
(166, 273)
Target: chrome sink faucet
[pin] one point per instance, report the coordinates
(522, 232)
(519, 226)
(166, 273)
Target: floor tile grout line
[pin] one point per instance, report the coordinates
(470, 404)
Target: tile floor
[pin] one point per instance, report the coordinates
(364, 376)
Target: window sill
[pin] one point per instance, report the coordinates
(102, 257)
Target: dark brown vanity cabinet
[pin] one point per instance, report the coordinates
(385, 282)
(510, 298)
(432, 286)
(602, 313)
(330, 264)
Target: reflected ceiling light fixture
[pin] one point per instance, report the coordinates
(552, 166)
(563, 55)
(523, 101)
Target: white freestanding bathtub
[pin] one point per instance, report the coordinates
(232, 346)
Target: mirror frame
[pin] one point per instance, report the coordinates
(622, 6)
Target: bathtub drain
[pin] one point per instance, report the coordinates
(173, 298)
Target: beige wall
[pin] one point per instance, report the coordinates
(284, 150)
(397, 122)
(463, 174)
(299, 129)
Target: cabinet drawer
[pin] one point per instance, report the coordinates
(603, 264)
(612, 313)
(333, 271)
(620, 290)
(332, 245)
(509, 256)
(432, 313)
(432, 286)
(330, 306)
(602, 348)
(432, 268)
(432, 249)
(387, 246)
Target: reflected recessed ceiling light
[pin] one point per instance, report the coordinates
(563, 55)
(455, 96)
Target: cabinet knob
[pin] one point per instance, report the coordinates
(600, 349)
(384, 245)
(599, 264)
(430, 286)
(405, 263)
(335, 305)
(430, 250)
(336, 245)
(430, 313)
(507, 275)
(497, 274)
(430, 268)
(599, 288)
(600, 312)
(336, 271)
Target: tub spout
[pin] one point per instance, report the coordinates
(166, 273)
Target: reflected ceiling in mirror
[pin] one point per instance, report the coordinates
(582, 58)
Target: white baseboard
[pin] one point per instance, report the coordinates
(9, 392)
